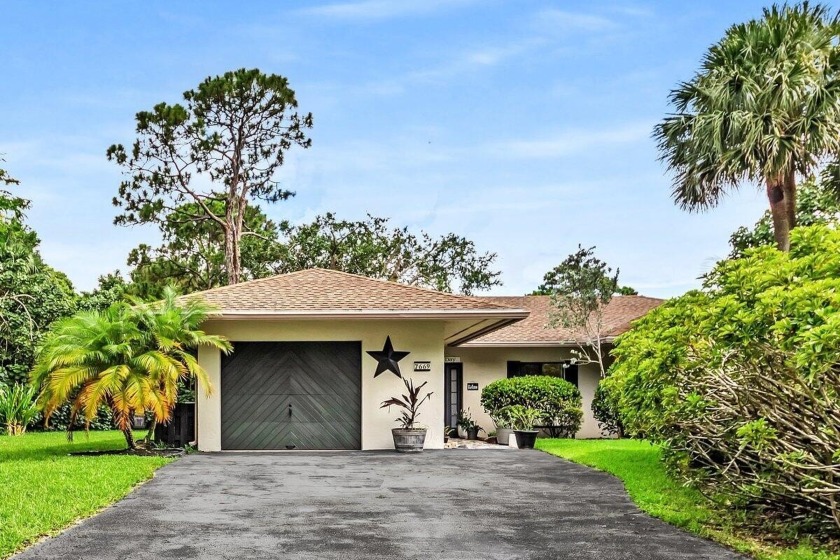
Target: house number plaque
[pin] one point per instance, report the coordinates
(422, 366)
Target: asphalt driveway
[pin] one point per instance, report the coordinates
(458, 504)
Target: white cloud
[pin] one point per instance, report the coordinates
(565, 20)
(367, 10)
(570, 142)
(453, 66)
(494, 54)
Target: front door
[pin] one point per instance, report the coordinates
(453, 386)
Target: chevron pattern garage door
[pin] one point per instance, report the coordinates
(302, 394)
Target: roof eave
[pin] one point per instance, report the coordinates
(487, 329)
(509, 315)
(528, 343)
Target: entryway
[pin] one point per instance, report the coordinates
(453, 383)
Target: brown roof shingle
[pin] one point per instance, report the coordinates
(330, 291)
(620, 312)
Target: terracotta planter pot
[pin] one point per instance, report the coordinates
(409, 441)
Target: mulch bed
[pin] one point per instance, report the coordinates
(140, 452)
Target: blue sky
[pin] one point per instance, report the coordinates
(522, 125)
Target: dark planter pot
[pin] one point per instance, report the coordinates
(525, 439)
(409, 441)
(472, 433)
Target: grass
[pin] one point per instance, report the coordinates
(43, 489)
(637, 464)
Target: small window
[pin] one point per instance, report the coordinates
(565, 370)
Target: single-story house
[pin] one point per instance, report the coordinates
(532, 347)
(314, 354)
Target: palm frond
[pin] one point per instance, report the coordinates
(766, 102)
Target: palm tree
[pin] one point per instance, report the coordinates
(764, 108)
(173, 329)
(128, 358)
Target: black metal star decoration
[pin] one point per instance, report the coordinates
(387, 358)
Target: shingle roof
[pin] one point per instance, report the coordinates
(619, 313)
(330, 291)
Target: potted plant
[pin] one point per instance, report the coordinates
(447, 432)
(409, 437)
(466, 423)
(523, 420)
(503, 426)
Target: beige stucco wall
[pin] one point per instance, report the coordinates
(485, 365)
(424, 339)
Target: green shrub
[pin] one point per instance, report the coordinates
(739, 381)
(605, 410)
(17, 408)
(522, 418)
(501, 418)
(558, 401)
(60, 420)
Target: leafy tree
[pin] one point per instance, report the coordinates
(192, 253)
(817, 202)
(764, 108)
(10, 205)
(128, 358)
(112, 288)
(580, 288)
(32, 294)
(207, 160)
(626, 291)
(7, 179)
(373, 248)
(545, 289)
(738, 381)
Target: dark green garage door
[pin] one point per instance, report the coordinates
(301, 395)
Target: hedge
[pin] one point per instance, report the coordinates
(558, 400)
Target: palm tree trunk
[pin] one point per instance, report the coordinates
(129, 438)
(790, 198)
(779, 211)
(150, 436)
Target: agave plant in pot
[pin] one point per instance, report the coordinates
(523, 420)
(409, 437)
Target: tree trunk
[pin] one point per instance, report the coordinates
(129, 438)
(237, 258)
(779, 211)
(231, 256)
(150, 435)
(234, 215)
(790, 198)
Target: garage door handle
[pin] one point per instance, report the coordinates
(290, 410)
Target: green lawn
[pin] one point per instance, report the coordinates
(43, 489)
(637, 464)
